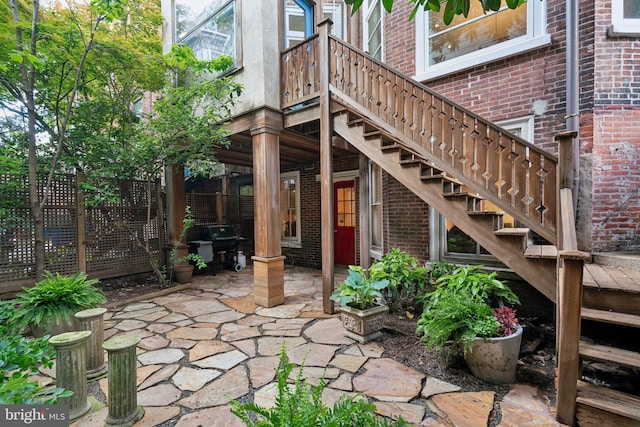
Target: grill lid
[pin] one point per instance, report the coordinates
(219, 232)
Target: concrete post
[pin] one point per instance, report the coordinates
(71, 370)
(123, 398)
(93, 320)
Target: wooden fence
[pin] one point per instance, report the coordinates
(101, 240)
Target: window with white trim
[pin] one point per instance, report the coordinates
(208, 28)
(289, 209)
(453, 243)
(375, 213)
(479, 38)
(336, 10)
(298, 21)
(372, 27)
(625, 16)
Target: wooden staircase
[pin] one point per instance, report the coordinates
(512, 246)
(611, 302)
(454, 160)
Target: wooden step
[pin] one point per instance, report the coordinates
(608, 400)
(611, 317)
(541, 251)
(605, 353)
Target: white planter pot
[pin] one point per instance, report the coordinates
(363, 325)
(495, 360)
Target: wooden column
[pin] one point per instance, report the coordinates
(176, 205)
(326, 168)
(365, 203)
(268, 262)
(220, 208)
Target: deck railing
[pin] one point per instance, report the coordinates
(512, 173)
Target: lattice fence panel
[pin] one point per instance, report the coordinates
(204, 210)
(113, 231)
(16, 229)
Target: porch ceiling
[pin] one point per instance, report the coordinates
(298, 145)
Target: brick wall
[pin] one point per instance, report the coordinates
(406, 220)
(405, 216)
(616, 144)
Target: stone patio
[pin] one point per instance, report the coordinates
(205, 344)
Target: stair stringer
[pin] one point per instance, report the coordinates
(535, 271)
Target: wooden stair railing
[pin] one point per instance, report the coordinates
(512, 173)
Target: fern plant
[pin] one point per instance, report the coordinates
(299, 405)
(460, 309)
(56, 297)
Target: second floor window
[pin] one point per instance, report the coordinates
(479, 38)
(373, 28)
(298, 21)
(209, 29)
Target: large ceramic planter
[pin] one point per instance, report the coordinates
(363, 325)
(183, 273)
(55, 327)
(495, 360)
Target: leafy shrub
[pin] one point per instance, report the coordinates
(460, 309)
(54, 298)
(407, 278)
(300, 405)
(19, 358)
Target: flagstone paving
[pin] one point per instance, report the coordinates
(205, 345)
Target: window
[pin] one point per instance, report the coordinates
(479, 38)
(452, 243)
(298, 21)
(625, 16)
(375, 215)
(336, 11)
(373, 28)
(209, 30)
(289, 208)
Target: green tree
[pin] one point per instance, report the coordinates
(72, 72)
(451, 7)
(184, 126)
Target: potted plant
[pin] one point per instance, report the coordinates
(49, 306)
(182, 266)
(362, 317)
(468, 310)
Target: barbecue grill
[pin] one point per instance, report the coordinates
(218, 246)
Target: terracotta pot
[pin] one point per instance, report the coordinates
(495, 360)
(183, 273)
(363, 325)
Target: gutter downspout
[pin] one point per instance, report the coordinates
(573, 91)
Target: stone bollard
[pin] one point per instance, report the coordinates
(93, 320)
(123, 394)
(71, 370)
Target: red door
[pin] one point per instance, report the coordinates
(344, 222)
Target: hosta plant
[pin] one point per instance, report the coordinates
(358, 290)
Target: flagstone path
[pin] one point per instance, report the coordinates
(204, 345)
